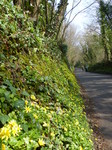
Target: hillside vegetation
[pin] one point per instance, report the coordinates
(103, 67)
(40, 102)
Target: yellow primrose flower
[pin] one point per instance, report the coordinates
(35, 116)
(44, 109)
(12, 123)
(19, 128)
(27, 109)
(14, 131)
(43, 134)
(52, 134)
(77, 123)
(41, 142)
(56, 120)
(32, 104)
(4, 133)
(81, 148)
(3, 147)
(33, 97)
(65, 129)
(37, 106)
(90, 140)
(49, 116)
(26, 102)
(45, 124)
(52, 112)
(91, 130)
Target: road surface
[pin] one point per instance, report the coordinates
(99, 89)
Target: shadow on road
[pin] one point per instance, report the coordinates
(99, 89)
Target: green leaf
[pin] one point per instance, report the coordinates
(19, 104)
(7, 82)
(2, 99)
(3, 118)
(25, 127)
(26, 140)
(13, 141)
(1, 91)
(11, 95)
(25, 93)
(7, 95)
(13, 89)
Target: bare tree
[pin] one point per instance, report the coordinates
(71, 39)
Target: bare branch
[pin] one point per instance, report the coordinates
(73, 8)
(75, 17)
(81, 11)
(71, 11)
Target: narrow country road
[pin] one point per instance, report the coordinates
(99, 89)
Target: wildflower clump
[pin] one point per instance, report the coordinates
(5, 133)
(12, 128)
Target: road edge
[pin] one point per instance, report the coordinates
(98, 140)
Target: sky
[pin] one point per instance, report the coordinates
(84, 18)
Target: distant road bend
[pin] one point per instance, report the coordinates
(99, 89)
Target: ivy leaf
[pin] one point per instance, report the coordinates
(13, 141)
(1, 91)
(3, 118)
(2, 99)
(25, 127)
(7, 95)
(13, 89)
(26, 140)
(7, 82)
(19, 104)
(25, 93)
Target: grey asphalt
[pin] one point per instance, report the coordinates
(99, 89)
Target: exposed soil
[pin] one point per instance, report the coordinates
(99, 141)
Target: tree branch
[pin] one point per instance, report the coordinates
(71, 11)
(66, 26)
(73, 8)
